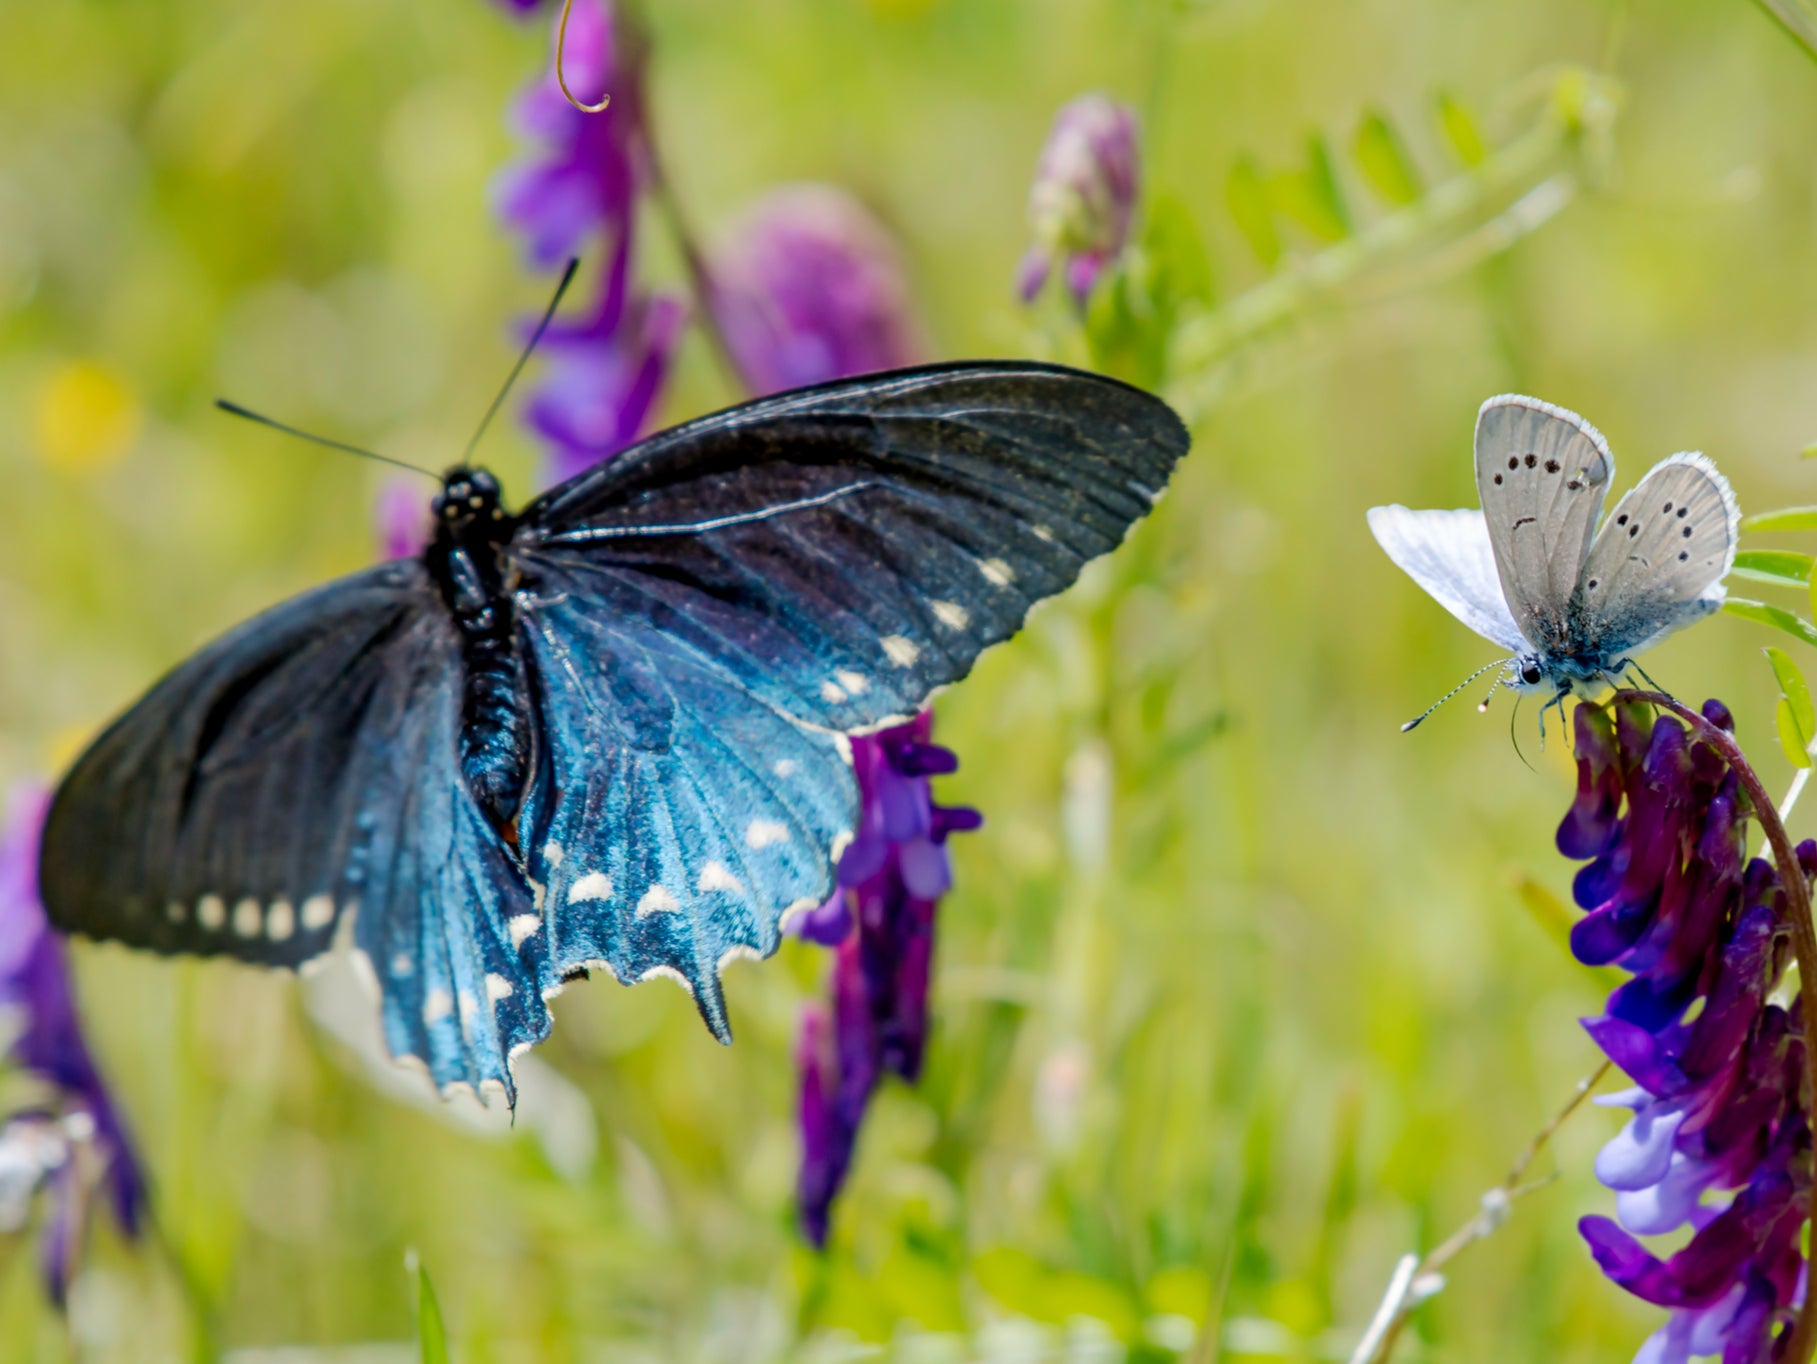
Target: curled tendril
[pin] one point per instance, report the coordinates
(561, 77)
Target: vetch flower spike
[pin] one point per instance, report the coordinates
(73, 1142)
(1083, 198)
(1719, 1141)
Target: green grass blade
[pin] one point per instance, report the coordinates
(1784, 518)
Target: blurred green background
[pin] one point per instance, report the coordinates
(1239, 996)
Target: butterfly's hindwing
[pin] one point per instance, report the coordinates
(1541, 472)
(674, 843)
(1448, 553)
(1660, 557)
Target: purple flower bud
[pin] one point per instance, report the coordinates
(1083, 197)
(808, 288)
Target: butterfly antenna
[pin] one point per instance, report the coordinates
(234, 409)
(1482, 706)
(1415, 721)
(524, 359)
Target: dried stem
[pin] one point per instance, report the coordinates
(1798, 897)
(1416, 1280)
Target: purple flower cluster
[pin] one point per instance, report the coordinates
(880, 921)
(582, 190)
(1084, 194)
(1719, 1141)
(71, 1142)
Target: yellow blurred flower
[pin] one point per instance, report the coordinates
(87, 417)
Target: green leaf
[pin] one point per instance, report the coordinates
(1799, 18)
(1775, 566)
(1312, 197)
(1785, 518)
(1792, 739)
(1249, 205)
(431, 1334)
(1324, 189)
(1762, 614)
(1460, 130)
(1384, 161)
(1793, 688)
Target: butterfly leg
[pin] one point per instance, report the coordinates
(1628, 663)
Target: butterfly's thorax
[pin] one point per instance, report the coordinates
(466, 561)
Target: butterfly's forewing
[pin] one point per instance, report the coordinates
(1541, 472)
(834, 556)
(1448, 553)
(1659, 560)
(297, 782)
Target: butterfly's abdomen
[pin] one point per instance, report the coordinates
(464, 561)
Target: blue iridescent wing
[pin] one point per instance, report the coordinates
(295, 785)
(710, 610)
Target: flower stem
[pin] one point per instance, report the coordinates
(1804, 934)
(1415, 1280)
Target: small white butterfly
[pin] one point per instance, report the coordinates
(1530, 571)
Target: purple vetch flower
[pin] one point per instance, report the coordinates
(810, 287)
(880, 920)
(590, 170)
(1083, 197)
(579, 195)
(71, 1143)
(1719, 1141)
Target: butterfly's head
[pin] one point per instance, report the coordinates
(1526, 673)
(469, 498)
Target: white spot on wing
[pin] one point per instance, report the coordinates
(830, 691)
(950, 614)
(760, 833)
(784, 767)
(595, 885)
(403, 964)
(657, 900)
(437, 1005)
(1043, 533)
(552, 853)
(318, 912)
(211, 913)
(523, 927)
(901, 650)
(856, 683)
(716, 876)
(281, 922)
(247, 920)
(497, 987)
(996, 572)
(469, 1008)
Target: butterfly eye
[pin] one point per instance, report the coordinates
(1529, 674)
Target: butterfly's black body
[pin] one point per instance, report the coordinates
(467, 563)
(607, 731)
